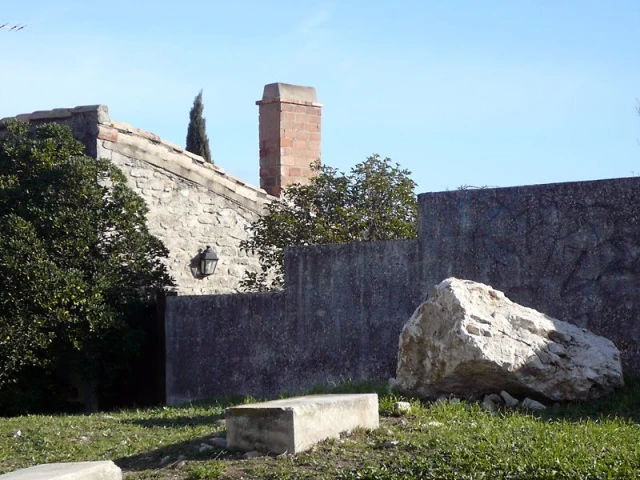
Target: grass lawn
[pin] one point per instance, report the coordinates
(436, 440)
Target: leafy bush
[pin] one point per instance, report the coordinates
(78, 266)
(376, 201)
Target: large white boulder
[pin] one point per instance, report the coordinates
(470, 340)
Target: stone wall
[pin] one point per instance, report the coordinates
(347, 304)
(192, 203)
(338, 318)
(217, 344)
(571, 250)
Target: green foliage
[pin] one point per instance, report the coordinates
(77, 263)
(197, 139)
(375, 201)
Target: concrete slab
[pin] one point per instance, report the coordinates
(293, 425)
(67, 471)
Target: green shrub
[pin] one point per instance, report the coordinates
(78, 267)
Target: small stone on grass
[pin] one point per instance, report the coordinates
(509, 401)
(204, 447)
(252, 454)
(401, 408)
(532, 404)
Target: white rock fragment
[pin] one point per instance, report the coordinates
(488, 405)
(532, 404)
(470, 340)
(219, 442)
(401, 408)
(509, 401)
(204, 447)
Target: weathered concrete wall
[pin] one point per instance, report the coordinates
(221, 344)
(192, 203)
(347, 304)
(571, 250)
(338, 318)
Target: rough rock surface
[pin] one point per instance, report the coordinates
(470, 340)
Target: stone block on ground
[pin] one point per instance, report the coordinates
(104, 470)
(293, 425)
(470, 340)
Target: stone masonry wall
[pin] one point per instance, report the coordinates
(192, 203)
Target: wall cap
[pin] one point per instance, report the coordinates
(287, 93)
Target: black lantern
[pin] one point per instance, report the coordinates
(208, 261)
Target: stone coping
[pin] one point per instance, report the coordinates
(286, 93)
(61, 113)
(100, 470)
(294, 425)
(293, 403)
(289, 100)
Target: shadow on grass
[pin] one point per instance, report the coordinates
(169, 456)
(185, 421)
(217, 406)
(623, 404)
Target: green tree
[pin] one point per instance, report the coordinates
(375, 201)
(78, 267)
(197, 139)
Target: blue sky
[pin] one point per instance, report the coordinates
(482, 93)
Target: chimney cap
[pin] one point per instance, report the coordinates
(285, 92)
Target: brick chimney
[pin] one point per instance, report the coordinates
(289, 135)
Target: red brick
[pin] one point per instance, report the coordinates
(268, 172)
(267, 181)
(269, 161)
(287, 160)
(288, 124)
(303, 161)
(289, 142)
(287, 117)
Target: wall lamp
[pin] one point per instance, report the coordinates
(208, 261)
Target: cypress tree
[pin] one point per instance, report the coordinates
(197, 140)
